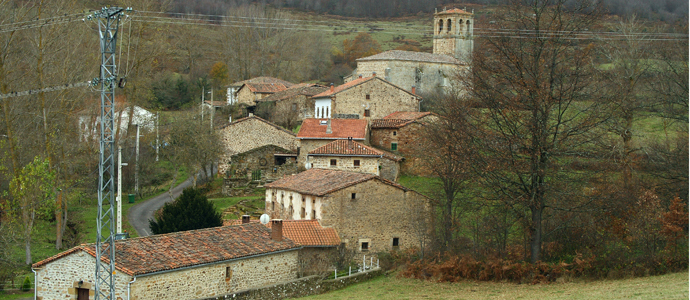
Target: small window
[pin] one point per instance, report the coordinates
(395, 133)
(302, 213)
(273, 205)
(356, 162)
(396, 242)
(354, 195)
(367, 113)
(228, 272)
(365, 246)
(394, 146)
(334, 162)
(367, 97)
(313, 214)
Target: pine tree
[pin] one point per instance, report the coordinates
(191, 211)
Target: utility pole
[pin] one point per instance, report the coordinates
(136, 166)
(157, 143)
(119, 189)
(213, 110)
(201, 108)
(108, 20)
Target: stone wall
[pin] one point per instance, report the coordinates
(302, 287)
(288, 205)
(378, 213)
(389, 169)
(369, 165)
(242, 165)
(384, 99)
(427, 77)
(249, 134)
(306, 145)
(316, 260)
(303, 106)
(60, 279)
(408, 139)
(211, 281)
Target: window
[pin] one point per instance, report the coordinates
(367, 113)
(367, 97)
(395, 133)
(327, 115)
(273, 205)
(313, 214)
(354, 195)
(364, 244)
(394, 146)
(228, 272)
(302, 213)
(334, 162)
(356, 163)
(396, 242)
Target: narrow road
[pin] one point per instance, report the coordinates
(140, 214)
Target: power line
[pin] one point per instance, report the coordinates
(47, 89)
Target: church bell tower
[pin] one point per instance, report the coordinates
(454, 33)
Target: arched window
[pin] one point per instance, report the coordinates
(440, 26)
(461, 27)
(449, 25)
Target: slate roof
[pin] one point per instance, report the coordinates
(398, 119)
(412, 56)
(163, 252)
(340, 129)
(320, 182)
(263, 80)
(346, 147)
(265, 88)
(254, 117)
(306, 89)
(308, 233)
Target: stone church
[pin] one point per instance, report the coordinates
(428, 72)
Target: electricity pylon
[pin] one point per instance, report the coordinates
(108, 23)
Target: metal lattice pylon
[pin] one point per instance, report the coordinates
(108, 22)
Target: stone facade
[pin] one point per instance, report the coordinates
(60, 279)
(262, 159)
(316, 260)
(347, 163)
(250, 133)
(389, 169)
(371, 99)
(406, 140)
(426, 77)
(454, 33)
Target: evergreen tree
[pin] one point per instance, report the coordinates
(191, 211)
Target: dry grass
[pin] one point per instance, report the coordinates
(670, 286)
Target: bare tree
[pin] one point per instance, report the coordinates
(532, 86)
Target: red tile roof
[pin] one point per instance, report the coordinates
(172, 251)
(308, 233)
(320, 182)
(265, 88)
(454, 11)
(346, 147)
(340, 129)
(398, 119)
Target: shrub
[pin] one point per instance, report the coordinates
(191, 211)
(26, 286)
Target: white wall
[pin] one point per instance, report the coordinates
(322, 108)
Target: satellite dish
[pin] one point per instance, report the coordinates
(264, 219)
(307, 166)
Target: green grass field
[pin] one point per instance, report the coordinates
(670, 286)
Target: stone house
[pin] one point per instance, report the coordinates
(318, 243)
(265, 163)
(250, 133)
(369, 98)
(249, 93)
(453, 43)
(348, 155)
(315, 133)
(401, 133)
(294, 102)
(369, 213)
(234, 87)
(183, 265)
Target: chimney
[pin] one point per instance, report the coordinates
(360, 75)
(414, 90)
(277, 230)
(251, 114)
(328, 126)
(373, 74)
(245, 219)
(332, 88)
(349, 143)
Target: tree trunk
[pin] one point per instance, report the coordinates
(627, 151)
(28, 223)
(58, 220)
(535, 242)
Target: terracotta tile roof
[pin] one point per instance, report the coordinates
(345, 86)
(453, 11)
(262, 80)
(171, 251)
(254, 117)
(412, 56)
(306, 89)
(340, 129)
(346, 147)
(265, 88)
(398, 119)
(308, 233)
(319, 182)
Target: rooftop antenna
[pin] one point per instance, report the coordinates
(108, 19)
